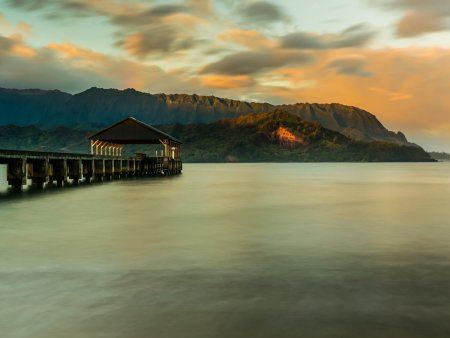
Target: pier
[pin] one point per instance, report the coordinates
(105, 162)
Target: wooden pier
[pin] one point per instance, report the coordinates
(105, 162)
(58, 168)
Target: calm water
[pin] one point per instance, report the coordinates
(237, 250)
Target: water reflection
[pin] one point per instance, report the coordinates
(267, 250)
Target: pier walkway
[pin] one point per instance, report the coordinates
(105, 162)
(53, 167)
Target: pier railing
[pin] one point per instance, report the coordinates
(48, 167)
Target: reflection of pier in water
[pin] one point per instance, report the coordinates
(105, 162)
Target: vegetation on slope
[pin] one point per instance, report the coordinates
(281, 137)
(266, 137)
(32, 138)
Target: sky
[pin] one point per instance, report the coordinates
(389, 57)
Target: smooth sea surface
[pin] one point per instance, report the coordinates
(232, 250)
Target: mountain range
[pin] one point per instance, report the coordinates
(98, 107)
(276, 136)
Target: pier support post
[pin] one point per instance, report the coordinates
(17, 173)
(88, 170)
(75, 168)
(109, 169)
(117, 168)
(125, 168)
(60, 171)
(99, 170)
(39, 173)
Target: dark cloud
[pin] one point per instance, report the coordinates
(162, 39)
(421, 16)
(30, 4)
(246, 63)
(419, 23)
(148, 17)
(153, 33)
(355, 36)
(262, 12)
(56, 9)
(425, 5)
(351, 65)
(5, 44)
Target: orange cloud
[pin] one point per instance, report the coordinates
(246, 38)
(393, 96)
(80, 57)
(227, 82)
(15, 46)
(23, 51)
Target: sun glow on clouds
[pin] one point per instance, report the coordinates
(227, 82)
(392, 96)
(242, 49)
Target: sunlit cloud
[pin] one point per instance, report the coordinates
(253, 62)
(261, 12)
(421, 16)
(392, 96)
(227, 82)
(247, 38)
(350, 65)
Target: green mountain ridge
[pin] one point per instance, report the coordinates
(276, 136)
(96, 107)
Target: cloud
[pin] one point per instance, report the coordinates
(30, 4)
(350, 65)
(253, 62)
(421, 16)
(70, 8)
(355, 36)
(418, 23)
(163, 39)
(424, 5)
(246, 38)
(143, 28)
(5, 45)
(70, 68)
(227, 82)
(168, 32)
(262, 12)
(392, 96)
(15, 46)
(8, 28)
(144, 18)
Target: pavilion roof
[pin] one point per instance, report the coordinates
(132, 131)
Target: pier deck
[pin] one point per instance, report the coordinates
(48, 167)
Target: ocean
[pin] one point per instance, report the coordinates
(232, 250)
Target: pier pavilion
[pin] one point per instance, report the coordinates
(105, 161)
(112, 139)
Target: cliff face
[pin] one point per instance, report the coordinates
(350, 121)
(97, 107)
(280, 136)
